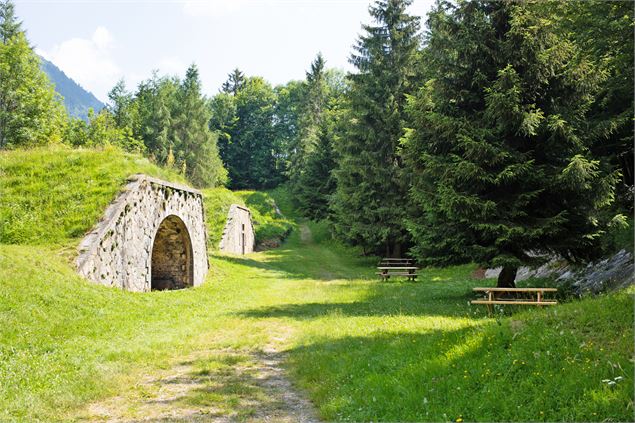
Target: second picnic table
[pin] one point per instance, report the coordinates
(385, 272)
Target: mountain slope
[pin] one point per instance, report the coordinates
(76, 99)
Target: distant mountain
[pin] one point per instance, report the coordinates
(76, 99)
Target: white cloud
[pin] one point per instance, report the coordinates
(211, 8)
(88, 61)
(102, 38)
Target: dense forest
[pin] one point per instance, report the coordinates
(499, 133)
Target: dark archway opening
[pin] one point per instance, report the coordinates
(171, 256)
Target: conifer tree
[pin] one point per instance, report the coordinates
(317, 183)
(369, 204)
(235, 82)
(194, 144)
(9, 24)
(312, 107)
(223, 122)
(604, 31)
(155, 105)
(31, 113)
(502, 172)
(122, 106)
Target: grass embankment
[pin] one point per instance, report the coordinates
(268, 224)
(361, 349)
(51, 195)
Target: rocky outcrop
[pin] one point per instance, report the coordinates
(151, 237)
(614, 272)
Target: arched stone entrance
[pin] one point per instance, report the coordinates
(150, 217)
(171, 266)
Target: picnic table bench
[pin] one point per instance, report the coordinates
(528, 296)
(396, 262)
(397, 267)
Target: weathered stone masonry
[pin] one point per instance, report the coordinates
(239, 236)
(151, 237)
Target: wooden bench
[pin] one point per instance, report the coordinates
(509, 296)
(385, 272)
(387, 262)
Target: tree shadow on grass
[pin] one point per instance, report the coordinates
(301, 264)
(313, 263)
(385, 299)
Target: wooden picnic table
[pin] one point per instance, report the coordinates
(385, 272)
(531, 296)
(395, 259)
(389, 261)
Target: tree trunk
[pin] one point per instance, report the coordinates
(507, 277)
(396, 250)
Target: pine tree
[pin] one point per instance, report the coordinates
(122, 105)
(155, 104)
(604, 30)
(312, 107)
(502, 172)
(9, 24)
(194, 144)
(223, 123)
(30, 111)
(235, 82)
(369, 204)
(317, 183)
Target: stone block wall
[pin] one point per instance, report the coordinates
(118, 251)
(238, 236)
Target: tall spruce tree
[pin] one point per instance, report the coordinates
(312, 107)
(369, 204)
(155, 104)
(9, 24)
(194, 144)
(317, 183)
(31, 113)
(604, 30)
(235, 82)
(503, 175)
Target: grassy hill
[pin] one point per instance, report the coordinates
(52, 195)
(360, 349)
(55, 195)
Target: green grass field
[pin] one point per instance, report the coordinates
(360, 349)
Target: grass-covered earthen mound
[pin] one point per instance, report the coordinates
(55, 195)
(52, 195)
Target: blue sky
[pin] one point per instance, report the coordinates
(97, 42)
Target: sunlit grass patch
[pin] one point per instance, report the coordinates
(53, 194)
